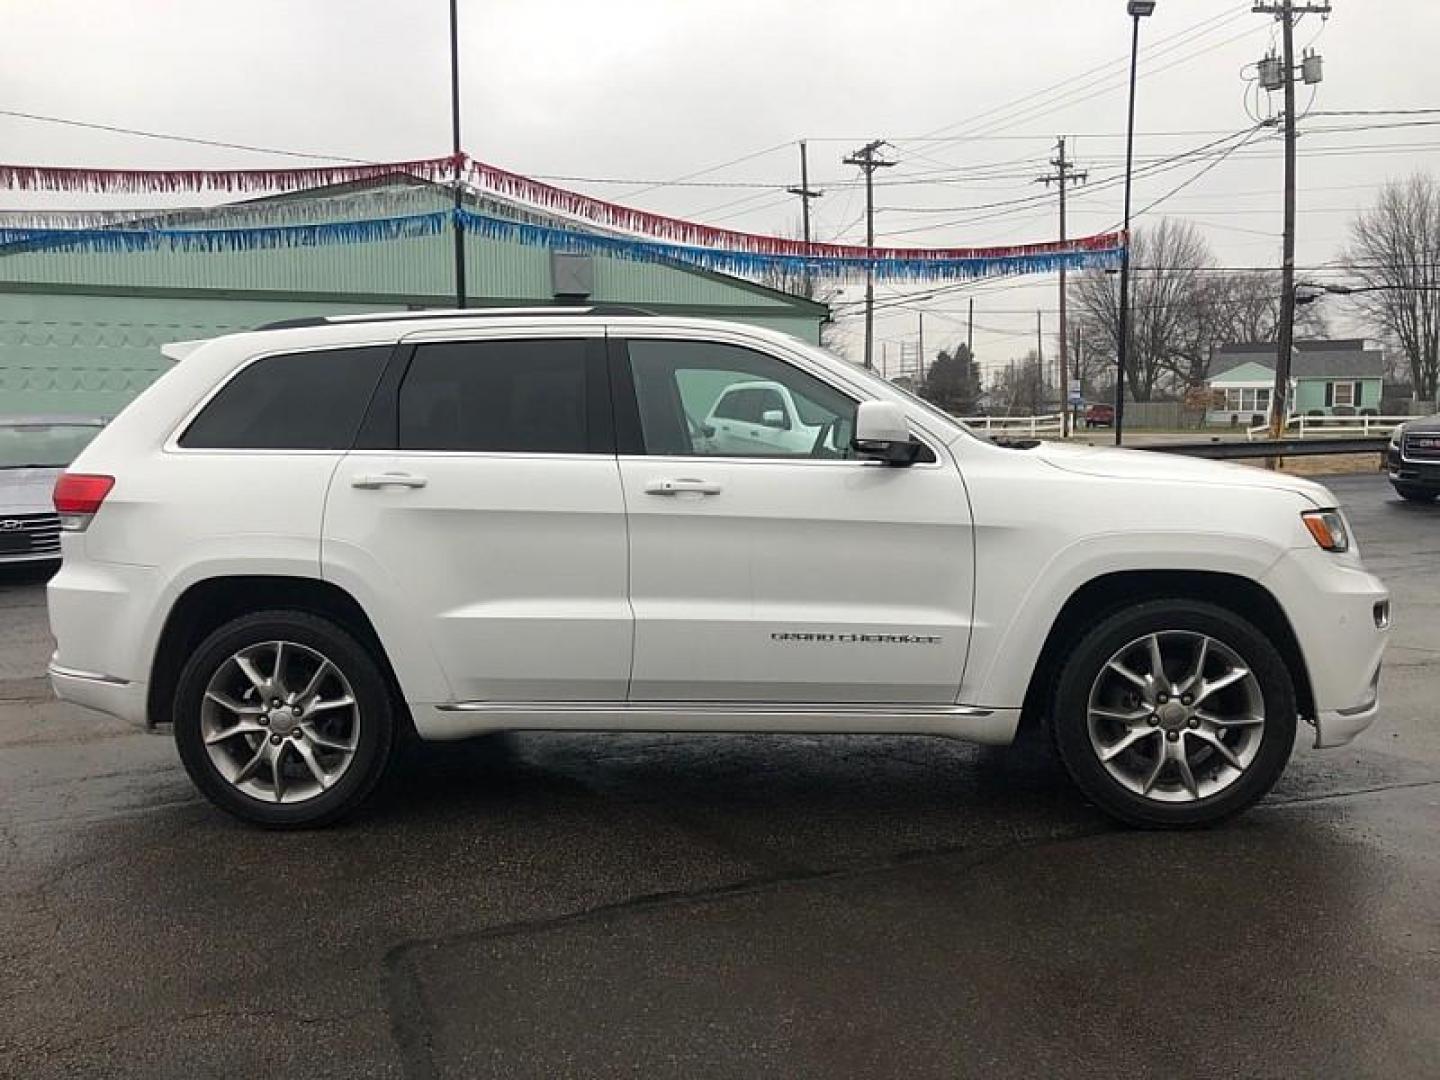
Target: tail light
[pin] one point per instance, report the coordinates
(78, 497)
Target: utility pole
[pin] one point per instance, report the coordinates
(456, 227)
(867, 158)
(1287, 11)
(920, 375)
(970, 330)
(1064, 174)
(805, 196)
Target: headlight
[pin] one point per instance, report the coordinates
(1395, 436)
(1328, 529)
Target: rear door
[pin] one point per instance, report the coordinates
(484, 504)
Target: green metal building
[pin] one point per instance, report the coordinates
(80, 331)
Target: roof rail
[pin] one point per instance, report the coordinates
(594, 310)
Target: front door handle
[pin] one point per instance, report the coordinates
(373, 481)
(683, 486)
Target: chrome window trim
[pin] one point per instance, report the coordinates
(808, 367)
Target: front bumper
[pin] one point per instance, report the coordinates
(1420, 474)
(1341, 617)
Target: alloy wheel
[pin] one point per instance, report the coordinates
(280, 722)
(1176, 716)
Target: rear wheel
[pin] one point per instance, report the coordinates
(1174, 713)
(283, 719)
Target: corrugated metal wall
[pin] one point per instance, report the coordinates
(80, 331)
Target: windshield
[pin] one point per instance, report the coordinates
(50, 444)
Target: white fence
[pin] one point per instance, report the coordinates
(1053, 424)
(1331, 427)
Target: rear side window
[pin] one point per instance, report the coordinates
(531, 396)
(291, 401)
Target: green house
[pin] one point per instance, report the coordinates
(80, 331)
(1327, 378)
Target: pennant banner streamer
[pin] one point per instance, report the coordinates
(211, 240)
(1039, 258)
(484, 177)
(142, 181)
(388, 201)
(628, 219)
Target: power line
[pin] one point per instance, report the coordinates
(194, 140)
(1203, 26)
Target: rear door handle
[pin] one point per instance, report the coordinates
(681, 487)
(372, 481)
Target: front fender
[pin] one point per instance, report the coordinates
(1009, 637)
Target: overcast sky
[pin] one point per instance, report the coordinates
(656, 91)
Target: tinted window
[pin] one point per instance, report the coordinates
(294, 401)
(497, 396)
(705, 398)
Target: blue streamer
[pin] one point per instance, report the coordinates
(212, 240)
(754, 264)
(532, 234)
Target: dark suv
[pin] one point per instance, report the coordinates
(1413, 459)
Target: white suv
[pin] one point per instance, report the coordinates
(304, 541)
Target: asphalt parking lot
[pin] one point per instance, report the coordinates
(724, 906)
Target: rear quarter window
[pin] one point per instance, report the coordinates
(291, 401)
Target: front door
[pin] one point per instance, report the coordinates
(487, 513)
(772, 568)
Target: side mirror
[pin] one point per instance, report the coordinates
(883, 434)
(773, 418)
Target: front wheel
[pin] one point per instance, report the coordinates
(283, 719)
(1174, 713)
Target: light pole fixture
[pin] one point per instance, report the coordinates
(1138, 10)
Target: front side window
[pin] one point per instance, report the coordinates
(291, 401)
(698, 398)
(524, 396)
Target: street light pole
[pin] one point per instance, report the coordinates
(1138, 9)
(456, 226)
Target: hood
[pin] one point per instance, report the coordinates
(1427, 424)
(1156, 465)
(27, 491)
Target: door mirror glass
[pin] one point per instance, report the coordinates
(773, 418)
(882, 433)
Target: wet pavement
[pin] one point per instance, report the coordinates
(725, 906)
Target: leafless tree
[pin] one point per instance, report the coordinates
(1183, 308)
(1168, 264)
(1021, 385)
(1395, 250)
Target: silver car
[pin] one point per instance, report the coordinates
(34, 450)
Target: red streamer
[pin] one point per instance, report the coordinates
(628, 219)
(131, 181)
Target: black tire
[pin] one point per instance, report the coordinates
(1414, 494)
(1068, 719)
(376, 728)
